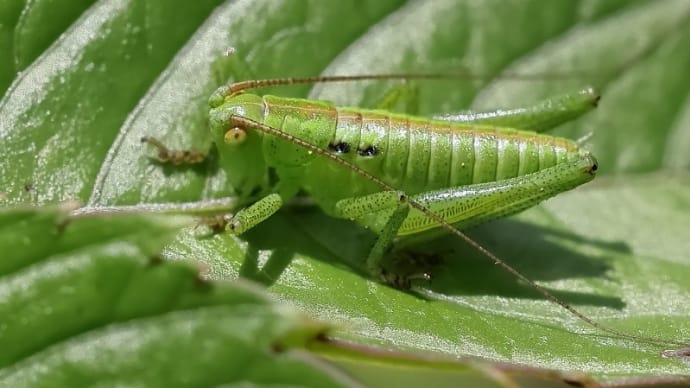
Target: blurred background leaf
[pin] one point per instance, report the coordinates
(90, 302)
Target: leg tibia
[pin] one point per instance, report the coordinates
(385, 241)
(396, 209)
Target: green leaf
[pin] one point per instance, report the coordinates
(100, 306)
(70, 126)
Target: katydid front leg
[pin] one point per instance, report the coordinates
(254, 214)
(244, 219)
(175, 157)
(389, 213)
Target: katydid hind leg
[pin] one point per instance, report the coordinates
(463, 206)
(474, 204)
(539, 117)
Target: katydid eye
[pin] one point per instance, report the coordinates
(235, 135)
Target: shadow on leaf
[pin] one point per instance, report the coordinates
(540, 253)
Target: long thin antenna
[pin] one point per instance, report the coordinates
(244, 122)
(241, 86)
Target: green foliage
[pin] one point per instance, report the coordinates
(71, 120)
(86, 300)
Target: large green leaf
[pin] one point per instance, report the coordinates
(70, 126)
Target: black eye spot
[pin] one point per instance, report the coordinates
(341, 147)
(369, 151)
(594, 168)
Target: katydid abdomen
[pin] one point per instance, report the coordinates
(417, 154)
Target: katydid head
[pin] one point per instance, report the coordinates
(239, 149)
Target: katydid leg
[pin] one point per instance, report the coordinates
(383, 244)
(176, 157)
(540, 117)
(389, 214)
(254, 214)
(358, 207)
(471, 205)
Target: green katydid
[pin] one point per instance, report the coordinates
(396, 174)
